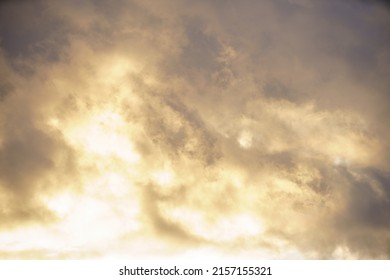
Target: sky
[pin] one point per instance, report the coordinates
(194, 129)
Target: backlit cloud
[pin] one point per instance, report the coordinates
(249, 129)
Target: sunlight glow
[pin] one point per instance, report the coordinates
(245, 139)
(224, 229)
(61, 204)
(104, 135)
(163, 177)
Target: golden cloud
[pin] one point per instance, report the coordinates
(172, 129)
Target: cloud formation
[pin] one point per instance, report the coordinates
(252, 129)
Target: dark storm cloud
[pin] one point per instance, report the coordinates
(28, 29)
(368, 198)
(364, 224)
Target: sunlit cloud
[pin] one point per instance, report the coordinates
(194, 129)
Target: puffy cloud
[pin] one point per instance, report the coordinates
(178, 128)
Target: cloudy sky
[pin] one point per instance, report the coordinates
(195, 129)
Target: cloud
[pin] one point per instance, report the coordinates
(250, 129)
